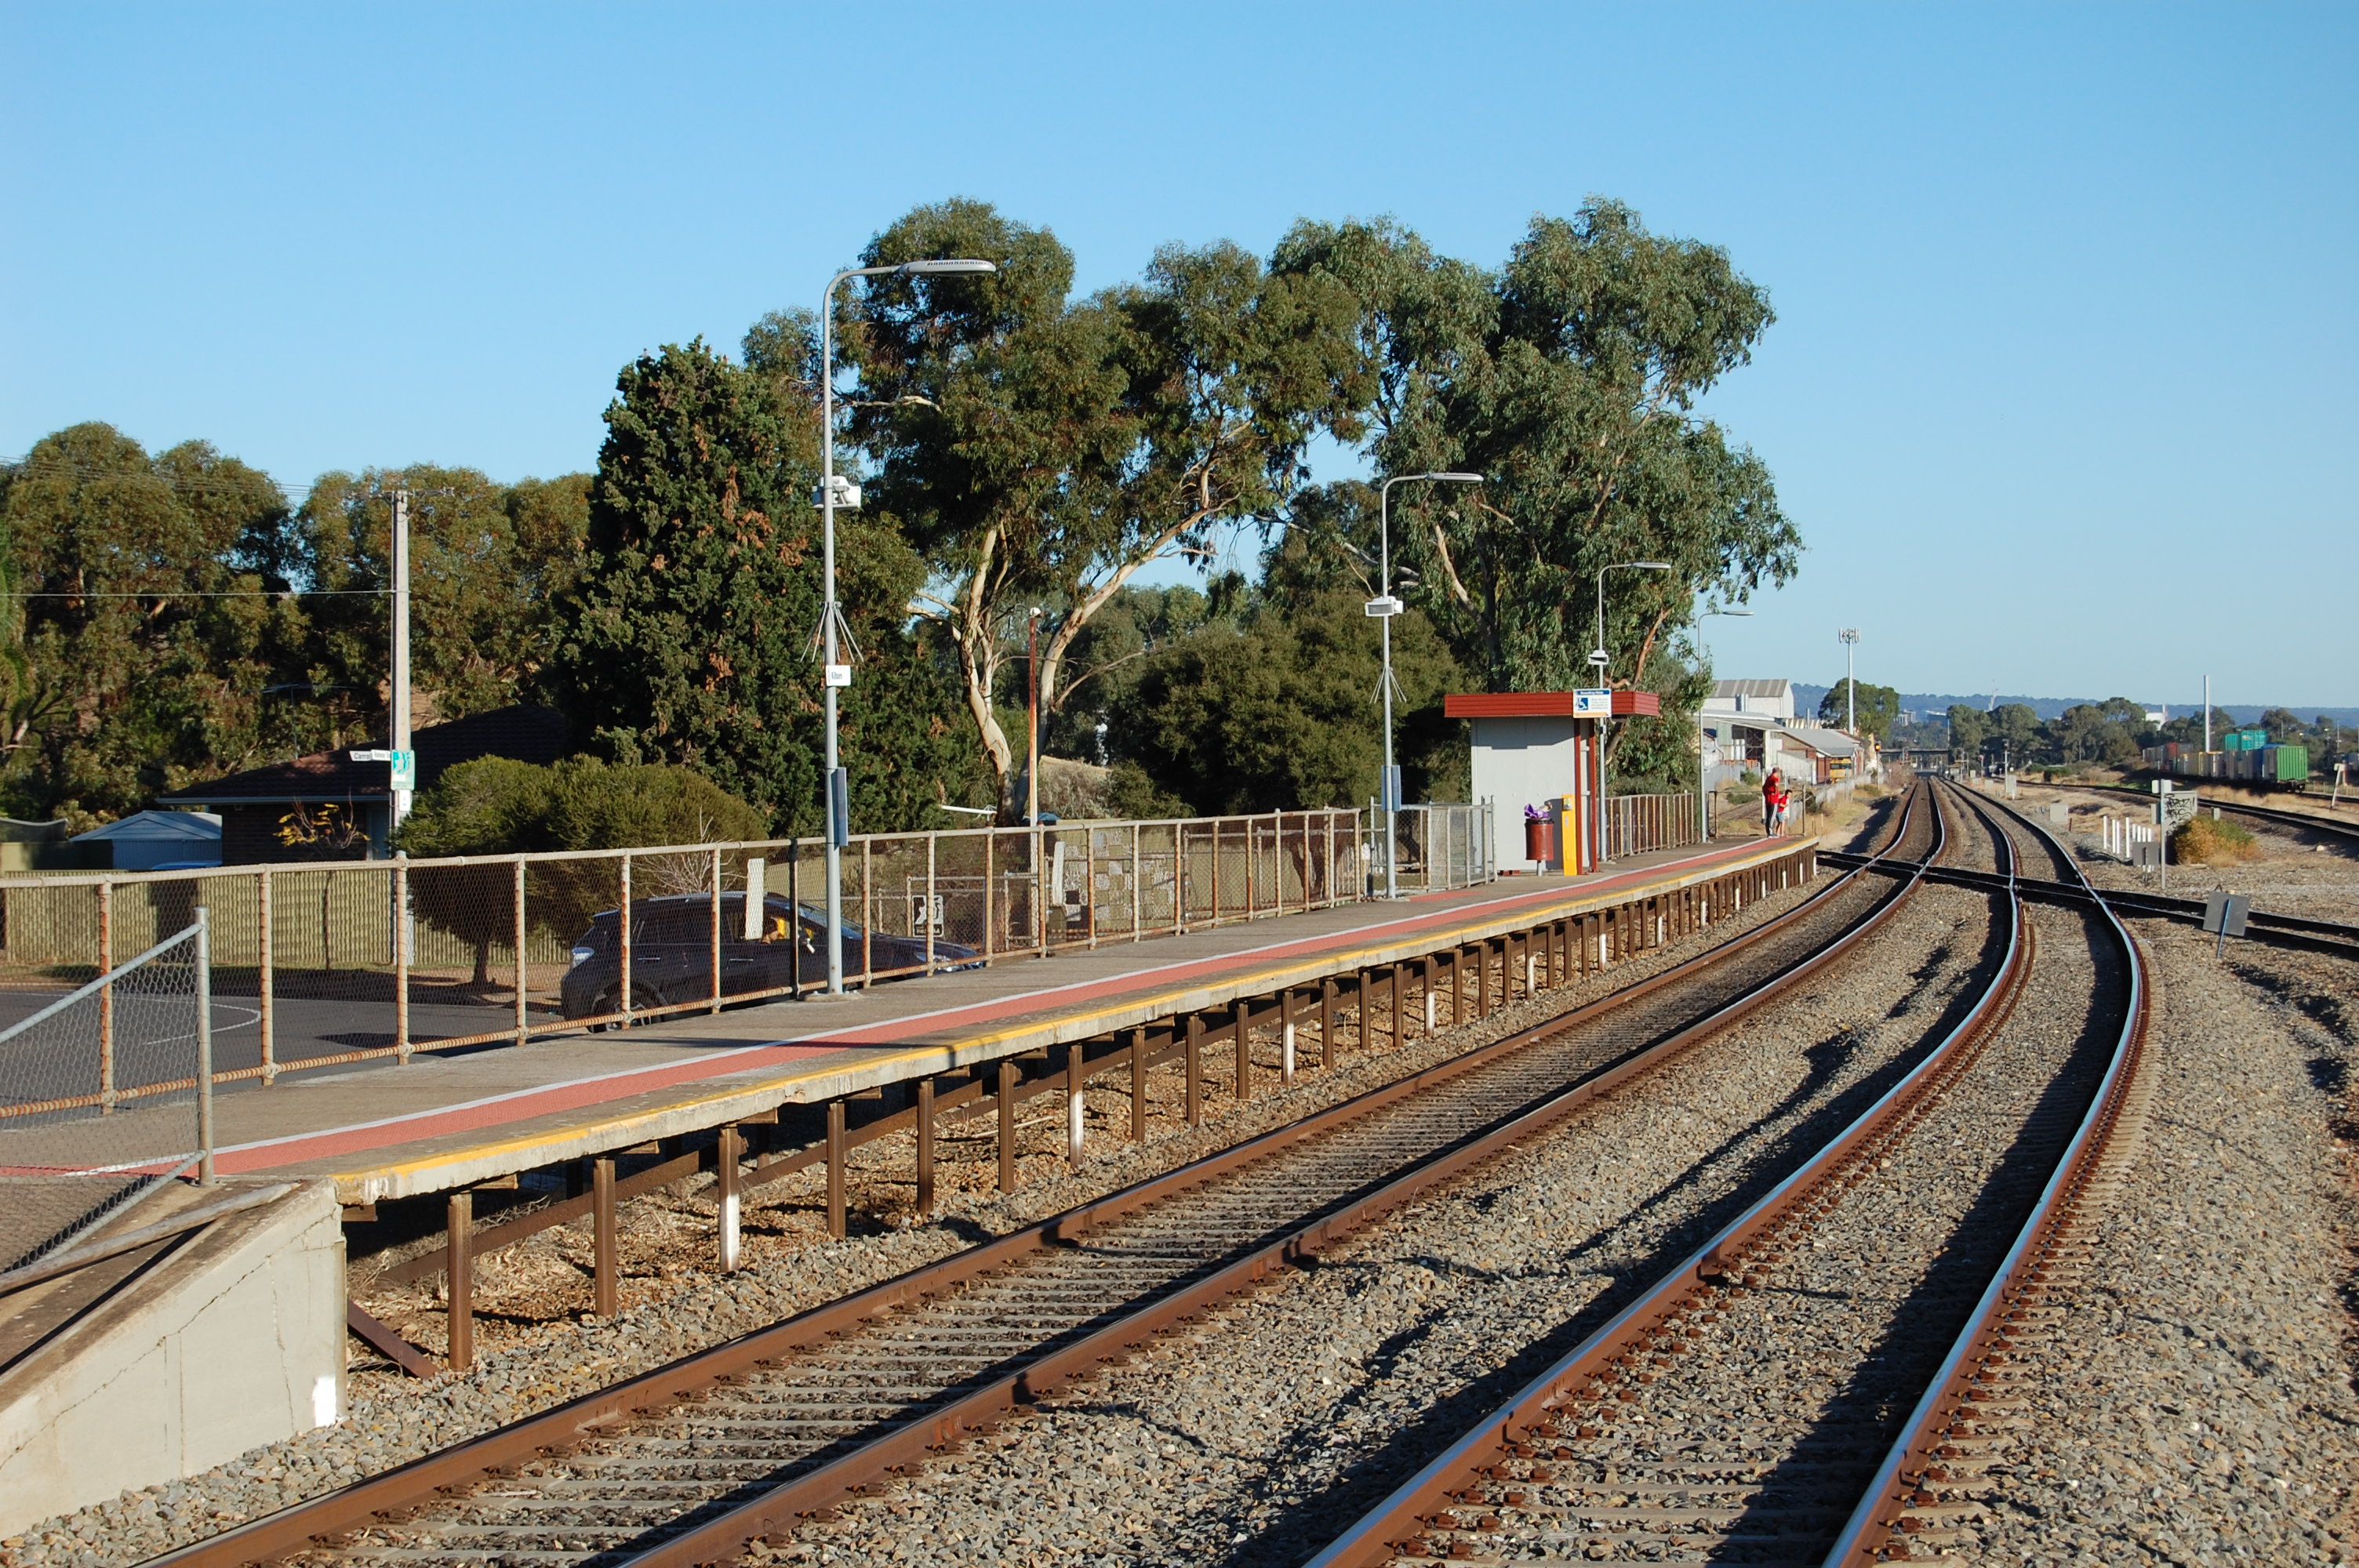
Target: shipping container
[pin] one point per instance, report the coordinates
(2243, 739)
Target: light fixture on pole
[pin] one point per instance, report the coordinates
(1848, 637)
(1704, 792)
(1384, 607)
(834, 493)
(1603, 661)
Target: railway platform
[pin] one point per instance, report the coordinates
(441, 1123)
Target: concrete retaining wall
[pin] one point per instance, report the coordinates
(235, 1340)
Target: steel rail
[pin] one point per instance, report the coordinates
(1914, 1460)
(723, 1539)
(2280, 930)
(1398, 1526)
(438, 1477)
(2278, 817)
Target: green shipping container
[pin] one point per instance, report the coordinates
(2243, 739)
(2289, 764)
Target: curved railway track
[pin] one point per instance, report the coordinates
(2073, 889)
(2345, 833)
(1814, 1382)
(688, 1464)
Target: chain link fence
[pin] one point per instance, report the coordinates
(113, 1076)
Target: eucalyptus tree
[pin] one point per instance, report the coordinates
(1570, 377)
(147, 647)
(487, 562)
(1039, 450)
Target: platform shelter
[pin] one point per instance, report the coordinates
(1541, 755)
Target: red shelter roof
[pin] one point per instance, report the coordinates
(1542, 705)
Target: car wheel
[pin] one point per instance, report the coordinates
(642, 998)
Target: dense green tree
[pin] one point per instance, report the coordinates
(1569, 378)
(1039, 450)
(1969, 727)
(1274, 706)
(1108, 659)
(1878, 707)
(686, 637)
(152, 656)
(2096, 732)
(495, 805)
(487, 562)
(2282, 723)
(2014, 731)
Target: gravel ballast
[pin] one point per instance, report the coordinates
(673, 1307)
(1251, 1438)
(2203, 1412)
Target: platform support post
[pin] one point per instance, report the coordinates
(606, 1262)
(836, 1225)
(1395, 986)
(1242, 1029)
(459, 1277)
(107, 999)
(1006, 1098)
(1138, 1085)
(523, 1022)
(1425, 968)
(1483, 978)
(267, 1019)
(1285, 1029)
(1194, 1051)
(1327, 989)
(733, 1149)
(1077, 1109)
(926, 1147)
(715, 980)
(622, 921)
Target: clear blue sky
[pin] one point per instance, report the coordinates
(2062, 392)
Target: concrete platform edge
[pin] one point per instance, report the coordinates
(757, 1091)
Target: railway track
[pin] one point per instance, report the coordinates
(2344, 833)
(691, 1463)
(1815, 1383)
(2073, 890)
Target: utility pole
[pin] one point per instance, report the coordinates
(404, 770)
(2207, 713)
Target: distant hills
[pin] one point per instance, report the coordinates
(1806, 700)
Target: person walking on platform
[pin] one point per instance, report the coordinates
(1773, 804)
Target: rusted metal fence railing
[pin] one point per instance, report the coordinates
(1636, 824)
(323, 963)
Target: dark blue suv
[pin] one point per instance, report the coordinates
(671, 953)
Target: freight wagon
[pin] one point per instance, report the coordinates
(2242, 763)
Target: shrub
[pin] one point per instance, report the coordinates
(2211, 841)
(497, 806)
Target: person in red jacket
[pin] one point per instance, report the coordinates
(1773, 804)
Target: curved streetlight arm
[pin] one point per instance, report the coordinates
(1385, 622)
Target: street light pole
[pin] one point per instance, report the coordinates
(837, 675)
(1703, 789)
(1384, 607)
(1603, 661)
(1848, 637)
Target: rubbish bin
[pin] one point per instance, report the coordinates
(1539, 841)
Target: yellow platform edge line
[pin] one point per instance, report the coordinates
(398, 1179)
